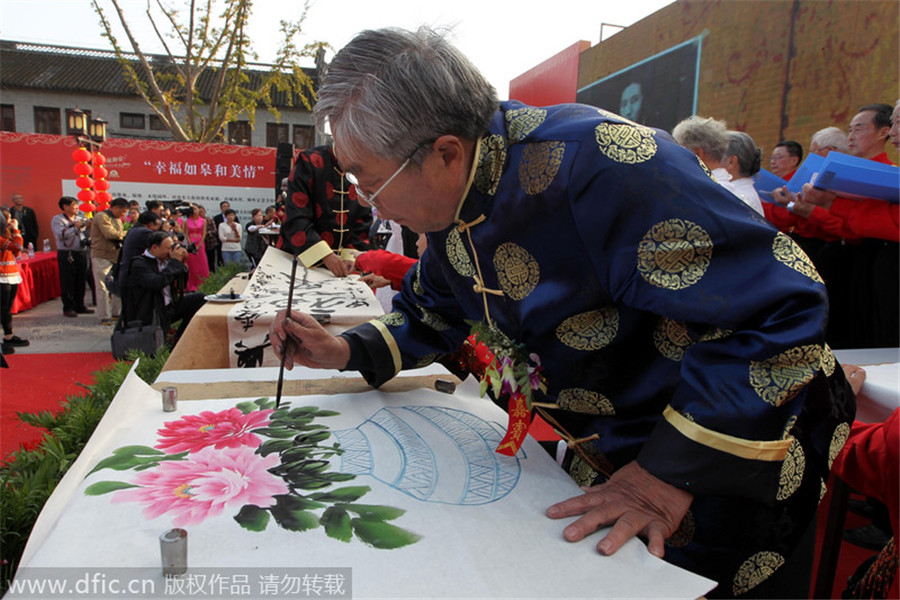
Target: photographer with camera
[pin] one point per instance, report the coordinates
(69, 230)
(155, 285)
(107, 234)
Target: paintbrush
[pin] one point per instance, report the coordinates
(284, 350)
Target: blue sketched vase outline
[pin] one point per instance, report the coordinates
(389, 447)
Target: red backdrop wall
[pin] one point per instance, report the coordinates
(553, 81)
(40, 168)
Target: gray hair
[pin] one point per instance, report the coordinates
(389, 91)
(749, 157)
(705, 133)
(830, 137)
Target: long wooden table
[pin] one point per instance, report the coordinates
(204, 344)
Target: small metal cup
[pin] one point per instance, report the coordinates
(173, 551)
(169, 398)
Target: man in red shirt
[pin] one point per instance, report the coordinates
(870, 130)
(785, 159)
(859, 260)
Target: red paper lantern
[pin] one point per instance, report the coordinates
(82, 155)
(100, 173)
(86, 196)
(84, 182)
(82, 169)
(103, 198)
(99, 159)
(101, 185)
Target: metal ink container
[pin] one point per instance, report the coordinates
(173, 551)
(169, 398)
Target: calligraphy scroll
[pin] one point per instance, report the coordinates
(343, 302)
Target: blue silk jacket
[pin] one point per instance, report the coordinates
(669, 318)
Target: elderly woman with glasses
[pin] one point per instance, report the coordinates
(673, 337)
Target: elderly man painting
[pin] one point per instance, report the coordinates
(675, 338)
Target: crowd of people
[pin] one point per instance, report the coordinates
(94, 253)
(851, 242)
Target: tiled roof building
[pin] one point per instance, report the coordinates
(40, 83)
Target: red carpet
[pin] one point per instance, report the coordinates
(38, 382)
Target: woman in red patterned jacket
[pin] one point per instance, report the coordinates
(10, 278)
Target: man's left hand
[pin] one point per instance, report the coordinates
(375, 281)
(634, 502)
(783, 196)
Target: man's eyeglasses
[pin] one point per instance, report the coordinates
(371, 199)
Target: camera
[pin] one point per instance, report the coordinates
(191, 247)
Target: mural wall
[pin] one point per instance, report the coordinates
(780, 69)
(659, 91)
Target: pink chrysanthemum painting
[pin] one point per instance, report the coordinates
(225, 429)
(204, 486)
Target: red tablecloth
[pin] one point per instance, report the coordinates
(40, 281)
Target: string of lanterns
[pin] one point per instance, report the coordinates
(90, 174)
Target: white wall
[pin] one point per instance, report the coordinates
(109, 107)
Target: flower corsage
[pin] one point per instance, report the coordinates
(513, 373)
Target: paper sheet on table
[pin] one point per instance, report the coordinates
(479, 515)
(880, 394)
(343, 301)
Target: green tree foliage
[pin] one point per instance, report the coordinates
(206, 78)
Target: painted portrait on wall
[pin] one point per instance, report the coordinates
(659, 91)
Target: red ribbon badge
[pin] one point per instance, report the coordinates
(517, 429)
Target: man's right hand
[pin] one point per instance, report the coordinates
(301, 340)
(818, 197)
(335, 265)
(178, 252)
(782, 196)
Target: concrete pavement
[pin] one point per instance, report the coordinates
(50, 332)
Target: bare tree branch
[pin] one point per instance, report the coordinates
(214, 44)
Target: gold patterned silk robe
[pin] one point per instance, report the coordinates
(669, 318)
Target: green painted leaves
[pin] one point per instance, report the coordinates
(301, 445)
(135, 457)
(336, 521)
(382, 535)
(252, 517)
(105, 487)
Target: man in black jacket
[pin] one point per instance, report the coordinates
(155, 284)
(136, 241)
(27, 219)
